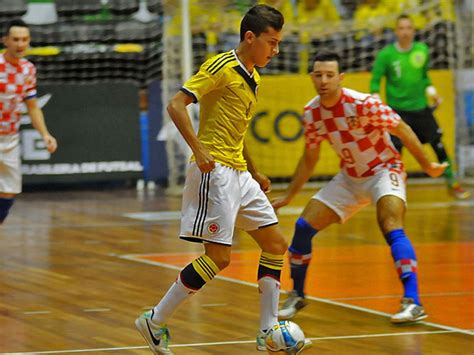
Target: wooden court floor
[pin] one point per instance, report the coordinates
(77, 267)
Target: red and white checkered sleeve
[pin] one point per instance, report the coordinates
(379, 114)
(313, 139)
(30, 91)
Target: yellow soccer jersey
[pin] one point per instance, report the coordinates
(227, 94)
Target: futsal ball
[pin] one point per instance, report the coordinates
(285, 336)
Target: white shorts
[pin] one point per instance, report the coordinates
(10, 164)
(216, 202)
(346, 195)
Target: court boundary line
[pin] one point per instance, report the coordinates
(238, 342)
(134, 257)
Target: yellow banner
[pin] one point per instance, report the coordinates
(275, 138)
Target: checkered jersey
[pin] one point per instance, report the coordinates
(357, 128)
(17, 83)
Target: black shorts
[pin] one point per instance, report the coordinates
(423, 123)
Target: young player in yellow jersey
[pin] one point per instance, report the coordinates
(223, 189)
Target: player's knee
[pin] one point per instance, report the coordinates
(274, 242)
(276, 245)
(390, 212)
(222, 261)
(219, 254)
(5, 205)
(390, 223)
(281, 247)
(302, 239)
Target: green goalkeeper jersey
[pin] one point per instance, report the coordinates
(406, 74)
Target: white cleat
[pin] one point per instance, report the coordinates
(291, 306)
(409, 312)
(157, 336)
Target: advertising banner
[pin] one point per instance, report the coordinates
(97, 129)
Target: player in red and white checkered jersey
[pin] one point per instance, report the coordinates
(357, 126)
(17, 85)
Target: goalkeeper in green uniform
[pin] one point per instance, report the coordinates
(405, 67)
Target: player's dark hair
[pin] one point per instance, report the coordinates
(259, 18)
(326, 55)
(14, 23)
(403, 17)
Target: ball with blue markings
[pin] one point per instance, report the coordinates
(285, 337)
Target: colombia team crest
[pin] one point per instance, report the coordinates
(213, 228)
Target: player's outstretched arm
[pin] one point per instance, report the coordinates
(302, 173)
(412, 143)
(179, 114)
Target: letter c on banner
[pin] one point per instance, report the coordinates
(253, 127)
(278, 121)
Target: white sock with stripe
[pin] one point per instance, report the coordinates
(176, 295)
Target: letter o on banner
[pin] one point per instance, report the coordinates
(279, 121)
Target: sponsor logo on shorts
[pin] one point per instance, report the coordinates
(213, 228)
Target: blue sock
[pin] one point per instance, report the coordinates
(405, 261)
(5, 205)
(300, 254)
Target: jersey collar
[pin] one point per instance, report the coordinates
(397, 46)
(242, 65)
